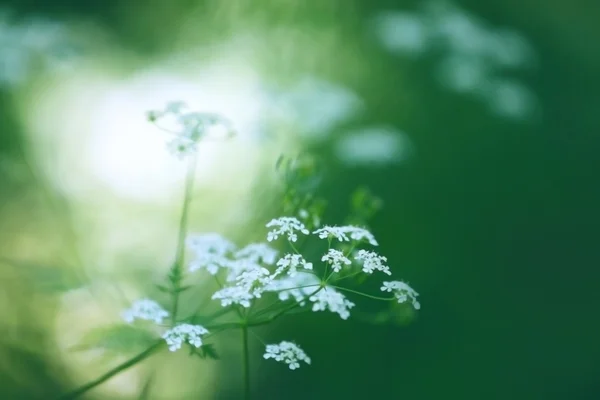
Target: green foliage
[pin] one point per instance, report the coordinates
(117, 338)
(206, 351)
(363, 206)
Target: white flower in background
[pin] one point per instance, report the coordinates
(360, 234)
(345, 233)
(374, 146)
(187, 127)
(372, 261)
(145, 309)
(183, 333)
(299, 287)
(336, 258)
(286, 352)
(253, 276)
(285, 226)
(233, 295)
(332, 300)
(258, 252)
(210, 252)
(402, 292)
(291, 263)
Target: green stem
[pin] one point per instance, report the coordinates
(285, 310)
(177, 272)
(363, 294)
(118, 369)
(246, 362)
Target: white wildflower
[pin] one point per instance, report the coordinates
(254, 278)
(336, 258)
(291, 263)
(258, 252)
(210, 250)
(182, 333)
(346, 233)
(209, 242)
(145, 309)
(360, 234)
(332, 300)
(288, 353)
(372, 261)
(299, 287)
(285, 226)
(329, 232)
(233, 295)
(402, 291)
(181, 146)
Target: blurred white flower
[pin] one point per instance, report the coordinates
(345, 233)
(145, 309)
(233, 295)
(210, 250)
(372, 262)
(402, 291)
(286, 352)
(401, 32)
(336, 258)
(183, 333)
(375, 146)
(258, 252)
(292, 287)
(285, 226)
(510, 99)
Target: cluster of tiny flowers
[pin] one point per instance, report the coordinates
(210, 250)
(291, 262)
(288, 353)
(145, 309)
(191, 126)
(192, 334)
(258, 252)
(372, 261)
(336, 258)
(285, 226)
(233, 295)
(332, 300)
(346, 233)
(402, 292)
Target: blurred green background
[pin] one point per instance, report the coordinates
(487, 172)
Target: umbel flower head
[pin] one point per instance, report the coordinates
(145, 309)
(372, 261)
(211, 250)
(182, 333)
(332, 300)
(290, 263)
(258, 252)
(188, 127)
(402, 292)
(286, 352)
(346, 233)
(336, 258)
(285, 226)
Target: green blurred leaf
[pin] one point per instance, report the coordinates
(46, 278)
(117, 338)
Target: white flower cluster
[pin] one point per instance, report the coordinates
(332, 300)
(258, 252)
(211, 250)
(291, 262)
(189, 126)
(402, 292)
(145, 309)
(182, 333)
(336, 258)
(285, 226)
(372, 261)
(288, 353)
(346, 233)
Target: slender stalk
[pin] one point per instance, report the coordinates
(363, 294)
(177, 272)
(246, 362)
(285, 310)
(118, 369)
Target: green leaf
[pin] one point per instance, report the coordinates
(117, 338)
(206, 351)
(46, 278)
